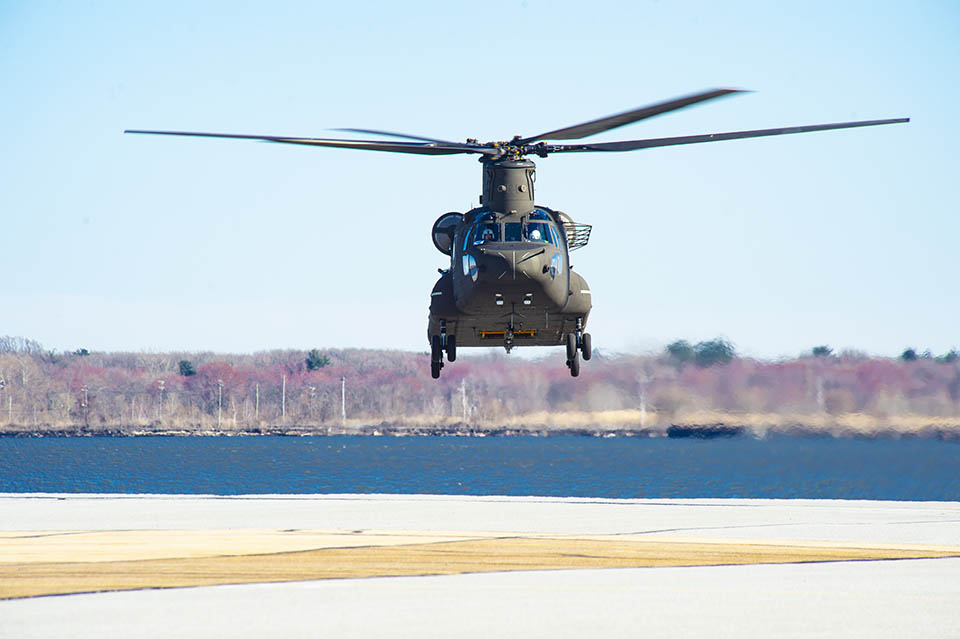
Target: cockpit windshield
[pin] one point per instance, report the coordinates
(538, 232)
(486, 232)
(512, 232)
(533, 231)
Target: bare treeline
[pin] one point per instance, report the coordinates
(41, 390)
(9, 344)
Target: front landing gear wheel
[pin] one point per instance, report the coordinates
(571, 347)
(436, 356)
(586, 347)
(452, 348)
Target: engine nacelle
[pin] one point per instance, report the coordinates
(443, 231)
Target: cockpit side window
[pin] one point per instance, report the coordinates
(556, 237)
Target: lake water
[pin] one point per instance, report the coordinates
(567, 466)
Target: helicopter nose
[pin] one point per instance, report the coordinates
(529, 264)
(512, 264)
(495, 265)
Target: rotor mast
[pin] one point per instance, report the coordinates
(508, 185)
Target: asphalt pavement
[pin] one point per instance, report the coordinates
(875, 598)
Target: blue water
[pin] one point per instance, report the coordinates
(783, 467)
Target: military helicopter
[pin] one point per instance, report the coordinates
(509, 282)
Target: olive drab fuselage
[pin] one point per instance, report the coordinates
(509, 281)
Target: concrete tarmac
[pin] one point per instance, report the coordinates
(840, 587)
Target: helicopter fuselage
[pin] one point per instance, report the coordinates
(509, 282)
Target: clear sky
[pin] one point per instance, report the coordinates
(121, 242)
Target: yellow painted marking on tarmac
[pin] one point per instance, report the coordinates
(124, 545)
(380, 556)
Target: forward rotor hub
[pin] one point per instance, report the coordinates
(515, 149)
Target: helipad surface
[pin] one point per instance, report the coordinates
(377, 565)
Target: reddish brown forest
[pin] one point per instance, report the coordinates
(208, 392)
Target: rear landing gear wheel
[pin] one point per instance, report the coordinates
(586, 347)
(435, 369)
(452, 348)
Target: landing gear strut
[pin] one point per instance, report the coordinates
(449, 342)
(577, 343)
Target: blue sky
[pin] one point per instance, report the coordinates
(115, 242)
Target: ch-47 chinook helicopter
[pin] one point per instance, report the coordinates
(510, 281)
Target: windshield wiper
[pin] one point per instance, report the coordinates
(543, 250)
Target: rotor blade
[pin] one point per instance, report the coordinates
(427, 148)
(396, 135)
(633, 145)
(367, 145)
(613, 121)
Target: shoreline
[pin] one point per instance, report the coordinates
(387, 429)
